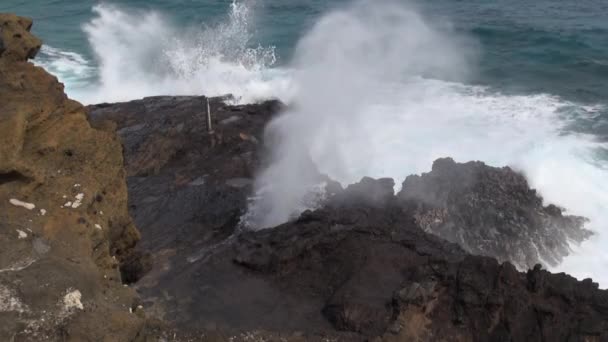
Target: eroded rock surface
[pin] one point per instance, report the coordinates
(64, 223)
(187, 188)
(360, 268)
(491, 211)
(372, 270)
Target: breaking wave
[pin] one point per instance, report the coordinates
(141, 53)
(73, 69)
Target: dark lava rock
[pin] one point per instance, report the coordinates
(376, 273)
(364, 265)
(491, 211)
(188, 188)
(372, 271)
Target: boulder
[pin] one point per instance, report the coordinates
(491, 211)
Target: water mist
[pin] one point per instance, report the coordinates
(340, 70)
(380, 91)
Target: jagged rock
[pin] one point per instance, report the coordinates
(491, 211)
(368, 191)
(359, 267)
(59, 262)
(187, 188)
(373, 271)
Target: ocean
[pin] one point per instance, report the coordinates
(379, 88)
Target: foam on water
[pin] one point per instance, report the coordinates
(435, 119)
(72, 68)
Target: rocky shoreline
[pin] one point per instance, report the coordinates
(434, 261)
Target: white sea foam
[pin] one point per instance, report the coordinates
(73, 69)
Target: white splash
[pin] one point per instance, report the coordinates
(353, 60)
(141, 53)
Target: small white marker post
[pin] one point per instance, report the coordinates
(209, 124)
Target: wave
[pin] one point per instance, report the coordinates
(141, 53)
(73, 69)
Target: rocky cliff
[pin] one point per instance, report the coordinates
(64, 225)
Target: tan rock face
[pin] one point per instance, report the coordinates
(18, 43)
(64, 225)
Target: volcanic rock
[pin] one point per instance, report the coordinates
(188, 188)
(364, 265)
(373, 271)
(491, 211)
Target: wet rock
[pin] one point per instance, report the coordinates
(491, 211)
(188, 189)
(416, 293)
(377, 192)
(379, 274)
(239, 182)
(367, 264)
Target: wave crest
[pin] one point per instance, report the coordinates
(141, 53)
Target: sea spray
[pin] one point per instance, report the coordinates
(347, 64)
(142, 53)
(382, 93)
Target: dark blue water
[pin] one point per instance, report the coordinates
(559, 47)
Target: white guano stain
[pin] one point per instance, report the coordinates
(18, 203)
(72, 300)
(21, 234)
(78, 202)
